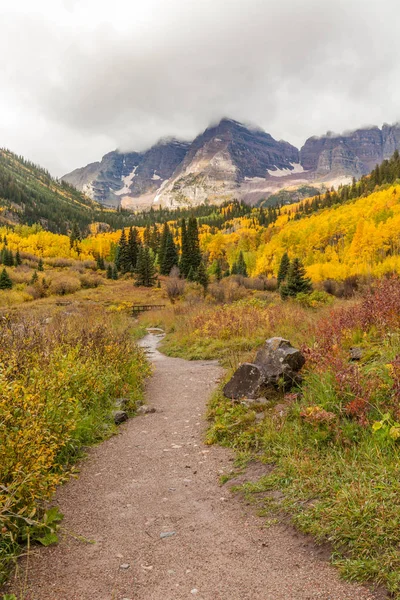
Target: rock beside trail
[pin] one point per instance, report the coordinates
(276, 363)
(120, 416)
(279, 360)
(245, 383)
(145, 409)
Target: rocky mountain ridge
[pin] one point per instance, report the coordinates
(231, 160)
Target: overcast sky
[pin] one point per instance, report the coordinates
(79, 78)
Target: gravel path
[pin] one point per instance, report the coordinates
(156, 478)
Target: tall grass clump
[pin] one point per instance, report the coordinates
(59, 377)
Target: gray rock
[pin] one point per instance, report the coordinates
(124, 566)
(245, 383)
(356, 353)
(120, 416)
(278, 361)
(145, 409)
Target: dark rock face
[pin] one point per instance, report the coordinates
(276, 363)
(246, 382)
(131, 173)
(355, 153)
(252, 151)
(228, 160)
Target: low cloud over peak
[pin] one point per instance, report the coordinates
(82, 78)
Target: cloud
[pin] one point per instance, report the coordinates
(83, 77)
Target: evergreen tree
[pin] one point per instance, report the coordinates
(100, 263)
(194, 244)
(241, 268)
(18, 260)
(201, 276)
(297, 281)
(40, 265)
(147, 235)
(8, 258)
(5, 281)
(146, 271)
(109, 272)
(163, 243)
(155, 239)
(185, 262)
(34, 278)
(169, 253)
(123, 261)
(283, 269)
(191, 275)
(133, 247)
(115, 273)
(75, 235)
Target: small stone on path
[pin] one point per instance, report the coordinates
(167, 534)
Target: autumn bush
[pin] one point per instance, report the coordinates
(59, 377)
(64, 284)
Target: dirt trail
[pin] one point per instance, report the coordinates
(158, 477)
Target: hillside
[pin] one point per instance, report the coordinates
(30, 195)
(230, 160)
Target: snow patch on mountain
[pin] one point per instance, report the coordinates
(296, 168)
(127, 183)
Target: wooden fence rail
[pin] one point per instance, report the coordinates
(138, 308)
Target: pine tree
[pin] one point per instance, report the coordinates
(123, 261)
(146, 271)
(297, 281)
(194, 244)
(133, 247)
(163, 243)
(40, 265)
(147, 235)
(8, 258)
(155, 239)
(283, 269)
(34, 278)
(191, 275)
(185, 262)
(100, 263)
(115, 273)
(109, 272)
(201, 276)
(169, 253)
(5, 281)
(75, 235)
(241, 268)
(18, 260)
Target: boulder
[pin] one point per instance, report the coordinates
(275, 363)
(279, 361)
(245, 383)
(120, 416)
